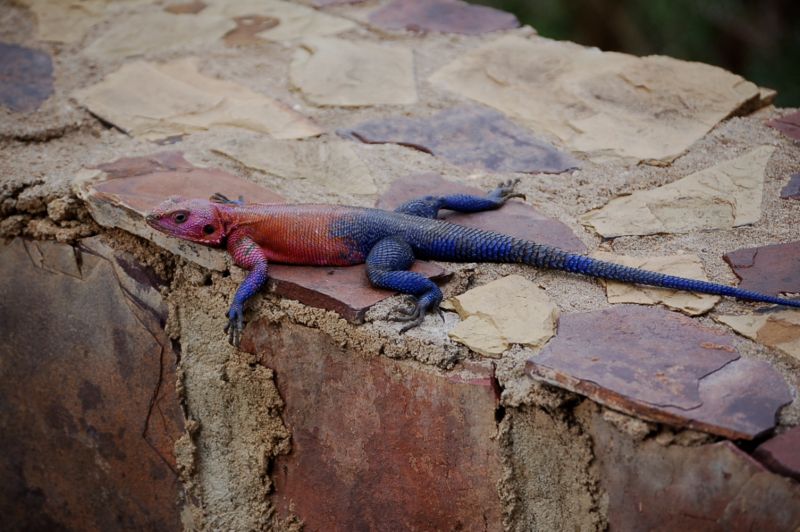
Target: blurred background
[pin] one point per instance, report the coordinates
(757, 39)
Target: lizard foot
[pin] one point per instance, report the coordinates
(505, 191)
(235, 324)
(414, 312)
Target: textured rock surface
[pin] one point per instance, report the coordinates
(711, 487)
(773, 269)
(789, 125)
(779, 329)
(90, 412)
(662, 366)
(448, 16)
(782, 453)
(378, 443)
(792, 188)
(514, 218)
(469, 136)
(26, 77)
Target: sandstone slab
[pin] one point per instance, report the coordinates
(468, 136)
(782, 453)
(727, 194)
(26, 77)
(789, 125)
(380, 443)
(778, 329)
(792, 188)
(510, 310)
(157, 101)
(689, 266)
(446, 16)
(515, 218)
(715, 487)
(67, 21)
(773, 269)
(662, 366)
(339, 72)
(90, 411)
(332, 164)
(601, 103)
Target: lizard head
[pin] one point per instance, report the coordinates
(195, 220)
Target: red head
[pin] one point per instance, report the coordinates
(195, 220)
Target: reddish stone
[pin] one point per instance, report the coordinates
(380, 444)
(792, 188)
(650, 486)
(447, 16)
(247, 28)
(468, 136)
(773, 269)
(662, 366)
(514, 218)
(782, 453)
(90, 413)
(345, 290)
(789, 125)
(26, 77)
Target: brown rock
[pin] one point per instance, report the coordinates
(344, 290)
(90, 412)
(247, 28)
(789, 125)
(377, 443)
(447, 16)
(326, 3)
(792, 188)
(773, 269)
(713, 487)
(514, 218)
(186, 8)
(26, 77)
(663, 367)
(468, 136)
(782, 453)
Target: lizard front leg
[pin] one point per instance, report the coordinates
(249, 255)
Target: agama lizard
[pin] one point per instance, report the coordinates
(388, 242)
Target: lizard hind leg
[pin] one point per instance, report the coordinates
(387, 267)
(429, 206)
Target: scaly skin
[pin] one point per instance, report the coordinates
(388, 242)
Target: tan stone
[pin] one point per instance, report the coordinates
(159, 100)
(332, 164)
(511, 310)
(780, 330)
(151, 32)
(68, 21)
(601, 103)
(722, 196)
(689, 266)
(295, 21)
(337, 72)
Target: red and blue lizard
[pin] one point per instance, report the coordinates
(388, 242)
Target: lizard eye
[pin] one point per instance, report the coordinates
(180, 217)
(209, 229)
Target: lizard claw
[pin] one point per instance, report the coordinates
(505, 191)
(235, 325)
(222, 198)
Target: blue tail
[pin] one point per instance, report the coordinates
(549, 257)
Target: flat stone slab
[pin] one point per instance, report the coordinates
(662, 366)
(779, 329)
(158, 101)
(773, 269)
(468, 136)
(380, 443)
(600, 103)
(789, 125)
(685, 265)
(509, 310)
(715, 487)
(792, 188)
(782, 453)
(120, 194)
(724, 195)
(446, 16)
(515, 218)
(330, 71)
(26, 77)
(90, 411)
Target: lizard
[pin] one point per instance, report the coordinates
(388, 242)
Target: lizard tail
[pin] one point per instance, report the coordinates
(543, 256)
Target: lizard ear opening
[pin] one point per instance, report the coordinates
(209, 229)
